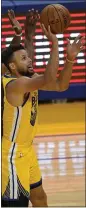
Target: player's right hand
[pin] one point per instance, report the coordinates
(51, 37)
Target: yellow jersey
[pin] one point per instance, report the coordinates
(20, 123)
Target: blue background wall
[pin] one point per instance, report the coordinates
(21, 6)
(75, 91)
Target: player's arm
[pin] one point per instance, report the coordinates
(62, 82)
(16, 27)
(17, 37)
(30, 26)
(24, 84)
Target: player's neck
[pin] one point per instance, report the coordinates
(16, 75)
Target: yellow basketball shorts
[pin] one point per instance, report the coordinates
(20, 171)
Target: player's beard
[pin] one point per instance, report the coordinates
(26, 74)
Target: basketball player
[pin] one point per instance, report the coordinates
(21, 177)
(19, 126)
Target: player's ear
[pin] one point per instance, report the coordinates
(12, 66)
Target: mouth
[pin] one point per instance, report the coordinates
(30, 68)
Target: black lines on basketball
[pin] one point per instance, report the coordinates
(48, 16)
(58, 15)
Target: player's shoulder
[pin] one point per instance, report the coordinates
(35, 75)
(7, 78)
(21, 85)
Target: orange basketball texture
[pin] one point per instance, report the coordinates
(57, 16)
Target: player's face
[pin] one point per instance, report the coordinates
(23, 63)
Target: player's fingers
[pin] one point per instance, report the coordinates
(32, 16)
(42, 26)
(68, 41)
(8, 13)
(44, 29)
(11, 13)
(77, 38)
(82, 48)
(81, 41)
(49, 30)
(29, 13)
(37, 13)
(37, 16)
(32, 11)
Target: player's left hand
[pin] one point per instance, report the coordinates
(75, 48)
(15, 24)
(30, 24)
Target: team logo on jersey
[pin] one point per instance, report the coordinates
(34, 108)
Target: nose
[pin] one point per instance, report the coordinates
(29, 59)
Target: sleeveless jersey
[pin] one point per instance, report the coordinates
(20, 123)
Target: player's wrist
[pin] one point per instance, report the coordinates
(69, 60)
(70, 57)
(55, 42)
(18, 32)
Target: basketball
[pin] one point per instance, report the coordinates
(57, 16)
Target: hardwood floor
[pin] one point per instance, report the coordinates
(62, 163)
(60, 147)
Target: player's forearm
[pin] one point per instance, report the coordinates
(29, 46)
(16, 40)
(65, 76)
(53, 64)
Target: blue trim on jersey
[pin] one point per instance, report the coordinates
(15, 124)
(26, 99)
(35, 185)
(12, 168)
(9, 76)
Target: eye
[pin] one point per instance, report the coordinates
(23, 57)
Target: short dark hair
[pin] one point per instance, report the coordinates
(7, 54)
